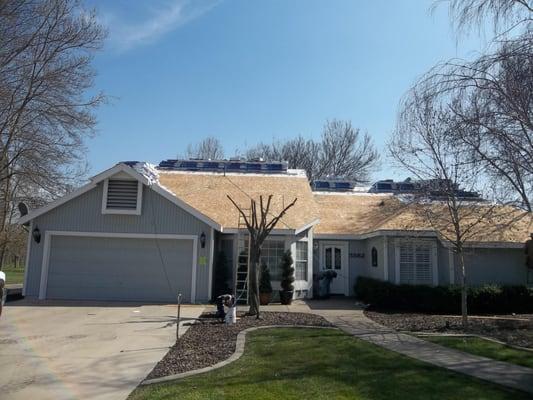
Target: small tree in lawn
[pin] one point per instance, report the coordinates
(259, 224)
(422, 145)
(287, 278)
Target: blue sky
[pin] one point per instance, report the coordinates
(248, 71)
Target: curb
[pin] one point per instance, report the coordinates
(239, 351)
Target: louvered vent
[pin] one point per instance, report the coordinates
(121, 194)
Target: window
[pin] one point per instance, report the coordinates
(329, 258)
(122, 196)
(374, 257)
(333, 258)
(271, 253)
(416, 263)
(530, 276)
(300, 261)
(337, 263)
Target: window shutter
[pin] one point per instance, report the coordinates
(407, 267)
(424, 268)
(416, 263)
(121, 194)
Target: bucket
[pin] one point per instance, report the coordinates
(231, 315)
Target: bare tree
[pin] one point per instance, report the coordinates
(342, 152)
(300, 153)
(346, 153)
(209, 148)
(46, 49)
(470, 122)
(491, 97)
(259, 224)
(504, 14)
(491, 101)
(423, 145)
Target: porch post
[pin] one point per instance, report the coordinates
(451, 266)
(210, 263)
(397, 261)
(385, 258)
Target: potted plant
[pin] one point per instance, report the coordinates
(265, 286)
(287, 278)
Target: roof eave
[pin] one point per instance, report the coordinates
(306, 226)
(421, 233)
(56, 203)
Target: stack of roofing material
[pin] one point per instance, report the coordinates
(332, 185)
(233, 165)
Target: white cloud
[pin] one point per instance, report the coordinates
(163, 18)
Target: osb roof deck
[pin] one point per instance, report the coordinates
(350, 214)
(207, 193)
(359, 214)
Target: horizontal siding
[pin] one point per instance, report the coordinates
(493, 266)
(84, 214)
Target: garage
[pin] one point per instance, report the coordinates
(109, 267)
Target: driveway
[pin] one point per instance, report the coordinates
(80, 350)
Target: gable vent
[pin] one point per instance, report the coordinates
(121, 194)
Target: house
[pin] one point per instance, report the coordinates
(137, 232)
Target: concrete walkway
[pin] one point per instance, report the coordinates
(347, 316)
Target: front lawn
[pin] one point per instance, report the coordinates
(14, 275)
(323, 364)
(485, 348)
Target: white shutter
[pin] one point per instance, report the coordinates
(423, 268)
(407, 263)
(416, 263)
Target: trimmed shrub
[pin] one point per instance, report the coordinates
(287, 272)
(265, 284)
(486, 299)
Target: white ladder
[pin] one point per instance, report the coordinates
(243, 262)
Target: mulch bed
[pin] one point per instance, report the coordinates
(513, 329)
(209, 341)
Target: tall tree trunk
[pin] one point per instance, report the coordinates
(6, 198)
(464, 292)
(253, 283)
(3, 249)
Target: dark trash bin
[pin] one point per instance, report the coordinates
(324, 283)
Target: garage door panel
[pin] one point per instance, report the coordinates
(119, 268)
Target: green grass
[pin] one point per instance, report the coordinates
(323, 364)
(14, 275)
(485, 348)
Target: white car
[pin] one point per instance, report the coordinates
(3, 291)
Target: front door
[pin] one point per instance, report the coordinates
(335, 257)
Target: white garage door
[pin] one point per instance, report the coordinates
(127, 269)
